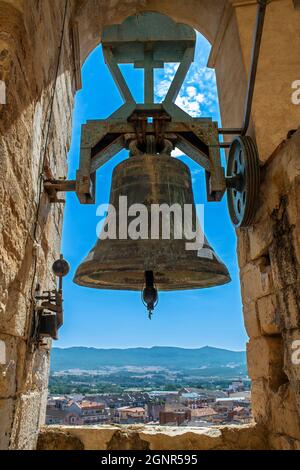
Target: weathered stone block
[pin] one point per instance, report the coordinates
(54, 439)
(110, 437)
(13, 312)
(295, 384)
(292, 354)
(281, 442)
(7, 379)
(285, 417)
(293, 206)
(296, 242)
(6, 418)
(260, 401)
(282, 251)
(290, 161)
(37, 370)
(289, 306)
(10, 375)
(269, 316)
(256, 281)
(183, 440)
(251, 320)
(43, 407)
(243, 246)
(265, 360)
(260, 238)
(247, 437)
(26, 421)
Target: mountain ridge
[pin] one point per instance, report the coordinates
(91, 358)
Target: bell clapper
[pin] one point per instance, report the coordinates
(149, 294)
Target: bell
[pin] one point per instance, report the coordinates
(121, 263)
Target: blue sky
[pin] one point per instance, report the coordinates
(118, 319)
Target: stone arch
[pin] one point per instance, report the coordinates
(216, 22)
(90, 33)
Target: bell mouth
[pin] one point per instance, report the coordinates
(194, 274)
(120, 264)
(164, 281)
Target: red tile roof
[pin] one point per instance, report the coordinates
(237, 409)
(129, 409)
(85, 404)
(201, 412)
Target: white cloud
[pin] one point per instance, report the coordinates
(171, 68)
(177, 153)
(200, 98)
(162, 88)
(191, 106)
(198, 94)
(191, 91)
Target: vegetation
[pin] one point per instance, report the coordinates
(90, 370)
(68, 384)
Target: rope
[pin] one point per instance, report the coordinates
(44, 149)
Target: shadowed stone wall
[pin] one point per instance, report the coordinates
(29, 40)
(268, 252)
(152, 438)
(269, 257)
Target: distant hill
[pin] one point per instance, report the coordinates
(168, 357)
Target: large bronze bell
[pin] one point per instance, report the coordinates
(122, 263)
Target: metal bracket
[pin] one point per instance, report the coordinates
(54, 186)
(48, 308)
(260, 19)
(149, 40)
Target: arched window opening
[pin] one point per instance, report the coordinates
(142, 371)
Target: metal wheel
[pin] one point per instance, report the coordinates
(242, 181)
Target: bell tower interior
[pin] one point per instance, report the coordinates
(43, 46)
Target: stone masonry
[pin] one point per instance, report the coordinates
(27, 65)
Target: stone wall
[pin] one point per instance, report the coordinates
(29, 41)
(269, 257)
(152, 438)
